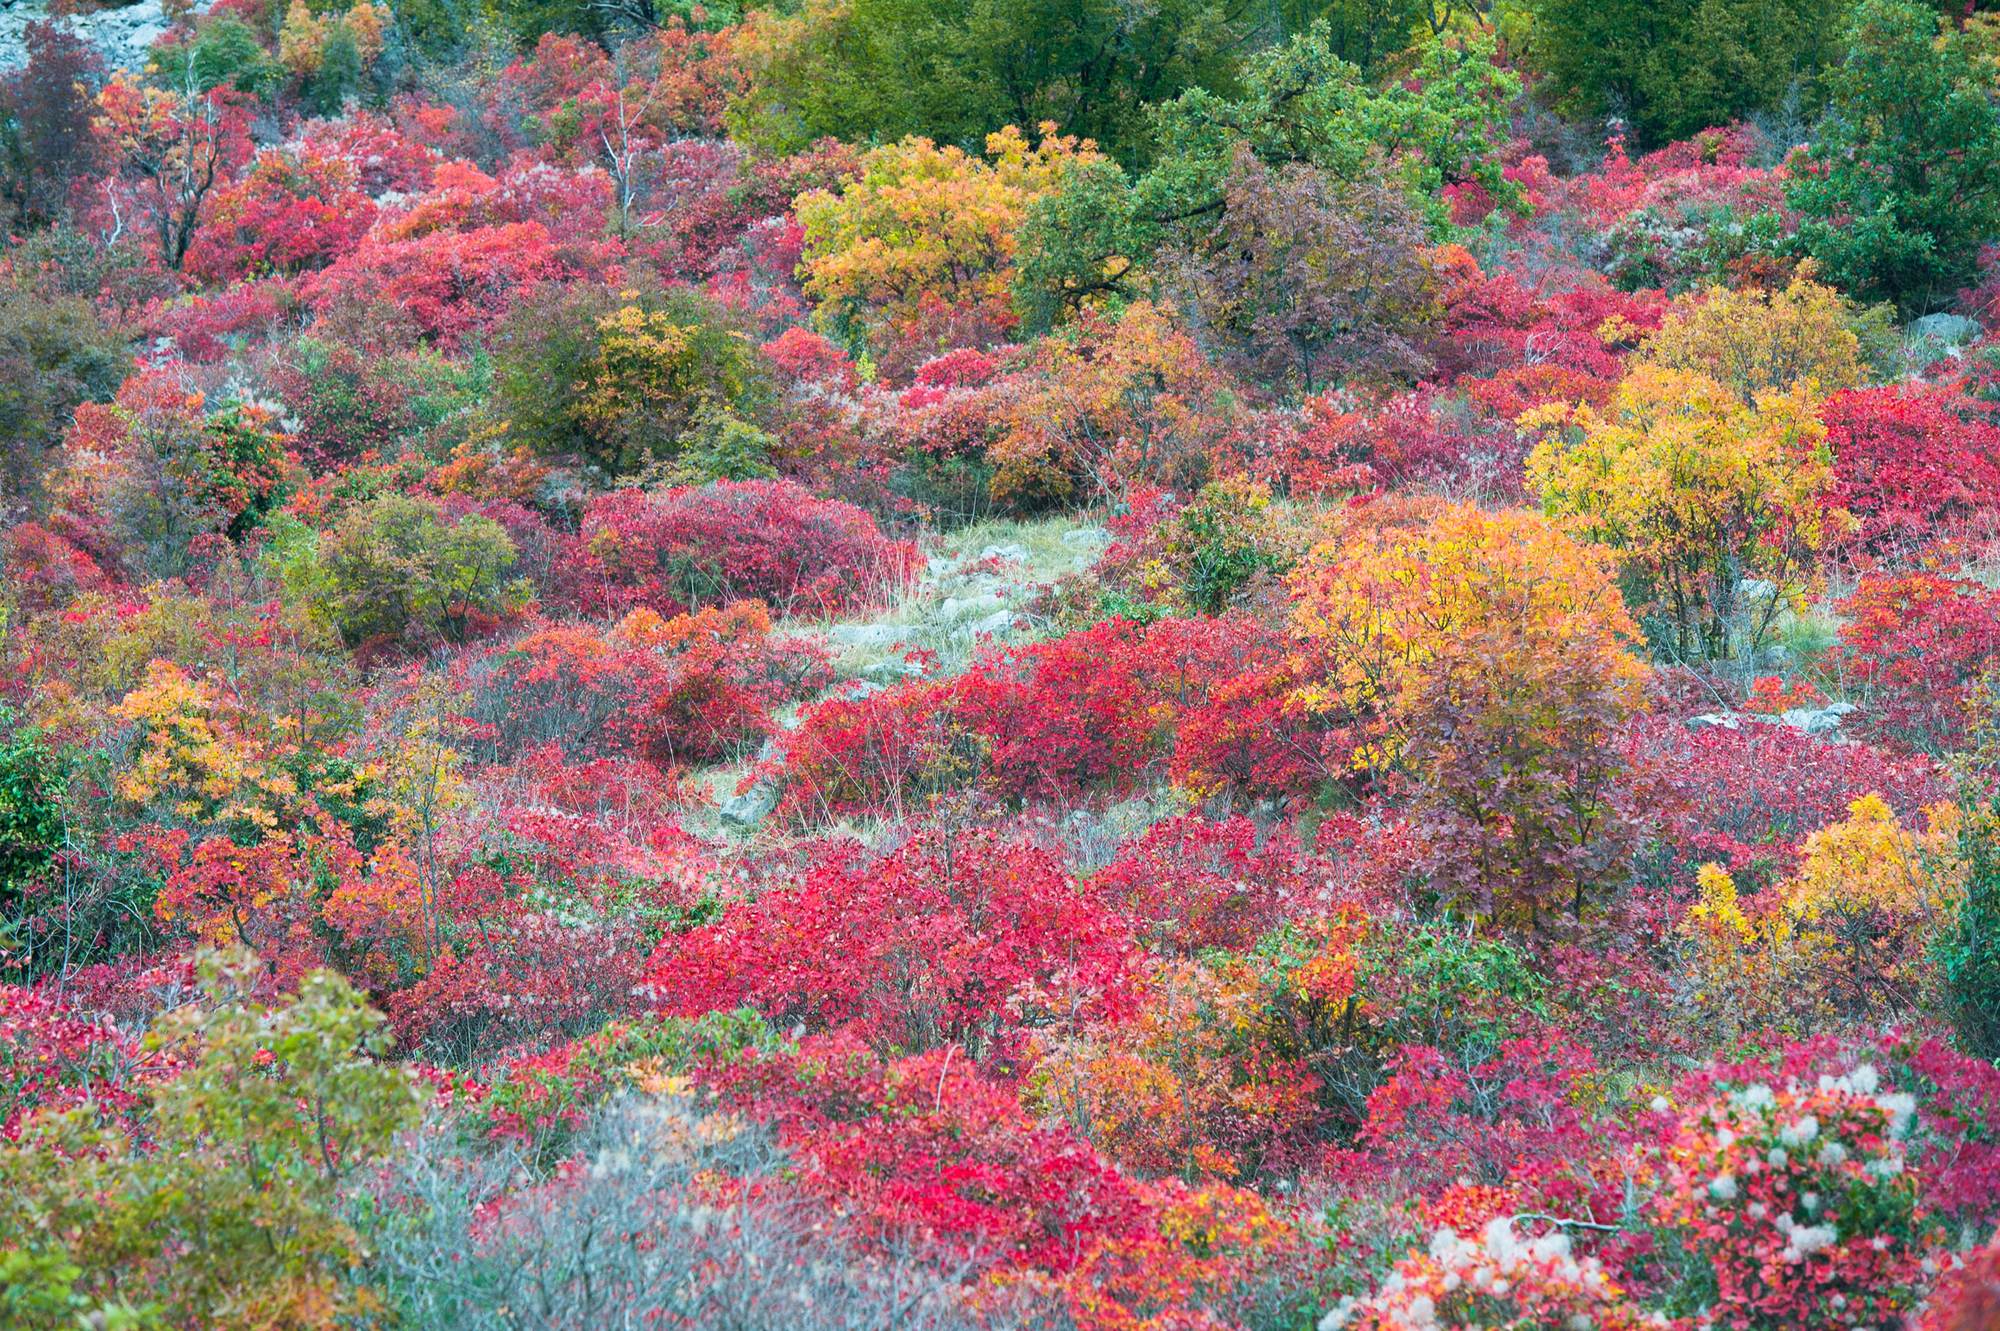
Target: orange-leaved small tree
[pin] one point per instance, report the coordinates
(1120, 403)
(1481, 667)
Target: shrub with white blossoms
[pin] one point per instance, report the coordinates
(1796, 1198)
(1497, 1280)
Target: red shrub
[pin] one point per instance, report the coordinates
(1515, 1119)
(570, 205)
(1097, 710)
(884, 753)
(1093, 712)
(803, 358)
(1519, 389)
(1917, 644)
(696, 688)
(1911, 462)
(1797, 1198)
(1195, 884)
(1968, 1299)
(928, 1147)
(1237, 732)
(451, 284)
(54, 1058)
(291, 212)
(1915, 1123)
(203, 325)
(47, 572)
(565, 686)
(1958, 1108)
(1496, 322)
(384, 161)
(540, 979)
(961, 938)
(723, 675)
(1064, 716)
(1250, 740)
(770, 541)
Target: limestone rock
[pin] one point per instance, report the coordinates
(121, 36)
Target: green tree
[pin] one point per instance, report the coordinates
(340, 72)
(616, 378)
(1671, 68)
(223, 49)
(227, 1211)
(722, 448)
(31, 821)
(55, 353)
(1967, 953)
(954, 71)
(1299, 105)
(1302, 103)
(398, 568)
(1368, 33)
(1079, 243)
(1903, 186)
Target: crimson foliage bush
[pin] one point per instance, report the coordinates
(968, 939)
(770, 541)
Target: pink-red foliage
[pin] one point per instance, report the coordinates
(54, 1058)
(1061, 717)
(1518, 1118)
(1191, 884)
(966, 939)
(1911, 462)
(47, 572)
(928, 1146)
(1917, 643)
(450, 284)
(1497, 322)
(770, 541)
(204, 325)
(291, 212)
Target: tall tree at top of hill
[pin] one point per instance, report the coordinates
(1671, 68)
(1903, 186)
(957, 71)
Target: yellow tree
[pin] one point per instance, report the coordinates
(1748, 965)
(199, 756)
(1844, 936)
(1482, 662)
(1870, 890)
(1756, 341)
(928, 226)
(1698, 491)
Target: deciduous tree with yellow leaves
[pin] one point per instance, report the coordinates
(923, 244)
(1484, 663)
(1699, 491)
(1756, 341)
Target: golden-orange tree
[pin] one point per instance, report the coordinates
(1481, 666)
(922, 245)
(1700, 492)
(1115, 403)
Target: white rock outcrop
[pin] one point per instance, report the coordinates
(122, 36)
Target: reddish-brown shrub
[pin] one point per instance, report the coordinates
(769, 541)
